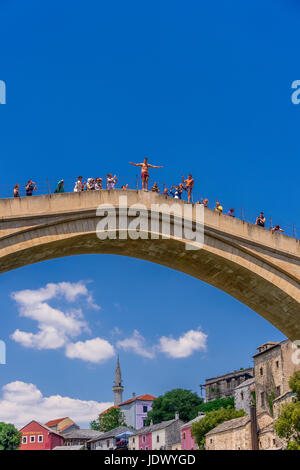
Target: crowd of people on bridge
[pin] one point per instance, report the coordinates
(176, 191)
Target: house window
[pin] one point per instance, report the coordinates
(261, 371)
(144, 438)
(242, 395)
(211, 441)
(262, 398)
(40, 438)
(24, 440)
(277, 364)
(145, 409)
(107, 443)
(32, 438)
(157, 438)
(146, 448)
(184, 435)
(133, 440)
(278, 389)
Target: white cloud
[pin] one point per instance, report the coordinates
(137, 344)
(70, 291)
(47, 338)
(94, 350)
(22, 402)
(185, 345)
(55, 326)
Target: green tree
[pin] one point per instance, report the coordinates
(185, 402)
(294, 384)
(287, 426)
(217, 404)
(210, 421)
(10, 437)
(110, 419)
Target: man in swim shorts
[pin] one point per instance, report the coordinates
(145, 172)
(189, 183)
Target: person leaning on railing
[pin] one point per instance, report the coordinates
(17, 191)
(60, 187)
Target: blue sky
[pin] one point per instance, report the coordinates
(200, 88)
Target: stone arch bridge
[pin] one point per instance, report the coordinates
(259, 268)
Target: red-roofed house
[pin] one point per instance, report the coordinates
(62, 425)
(135, 410)
(37, 436)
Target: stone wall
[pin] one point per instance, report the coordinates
(234, 439)
(273, 369)
(243, 396)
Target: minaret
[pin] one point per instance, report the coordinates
(117, 387)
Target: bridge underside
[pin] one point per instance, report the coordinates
(257, 267)
(262, 288)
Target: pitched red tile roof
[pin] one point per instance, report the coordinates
(108, 409)
(146, 397)
(55, 421)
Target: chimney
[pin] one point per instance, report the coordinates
(200, 413)
(254, 431)
(176, 415)
(133, 395)
(151, 422)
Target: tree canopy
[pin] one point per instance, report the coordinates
(10, 437)
(185, 402)
(210, 421)
(287, 426)
(217, 404)
(110, 419)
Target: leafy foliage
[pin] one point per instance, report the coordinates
(287, 426)
(10, 437)
(112, 418)
(216, 404)
(294, 383)
(185, 402)
(210, 421)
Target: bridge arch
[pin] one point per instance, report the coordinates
(257, 267)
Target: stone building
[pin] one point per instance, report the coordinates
(244, 395)
(268, 439)
(273, 367)
(279, 401)
(239, 433)
(223, 386)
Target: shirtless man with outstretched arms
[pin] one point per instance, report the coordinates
(145, 172)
